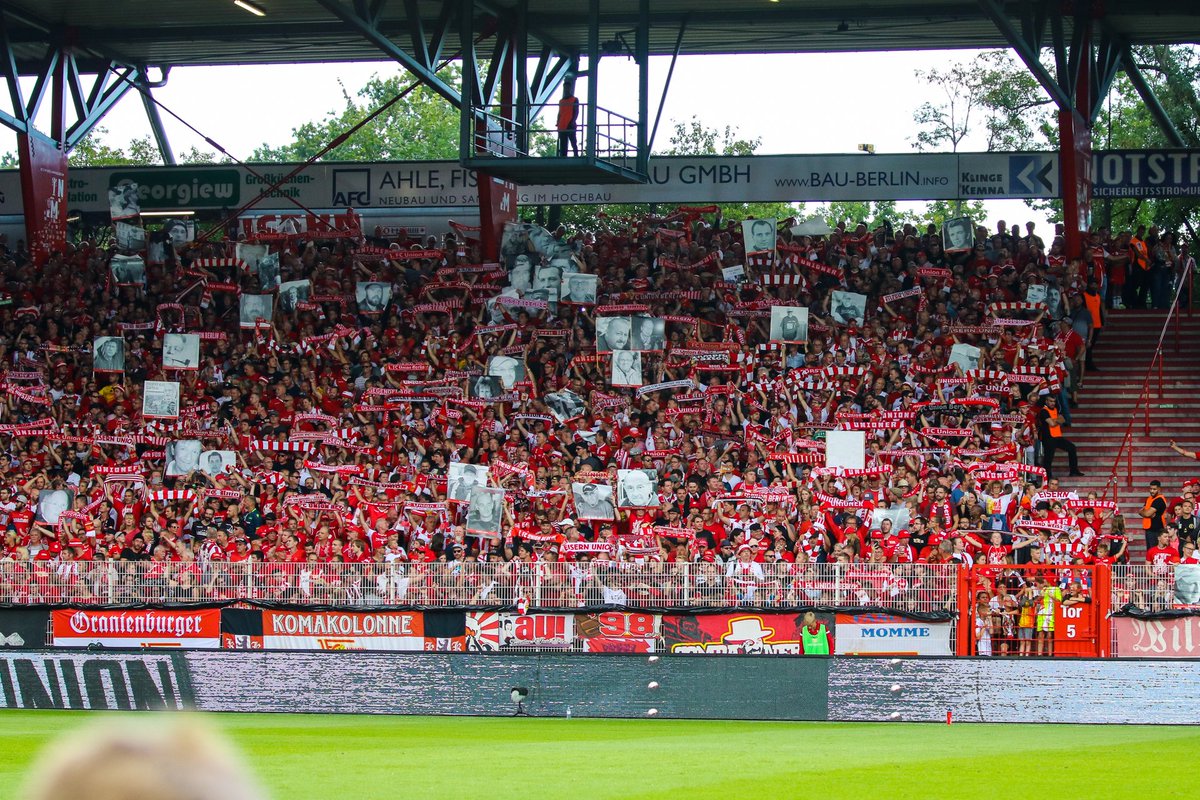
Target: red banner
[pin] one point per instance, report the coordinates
(1174, 637)
(193, 628)
(44, 196)
(734, 634)
(497, 205)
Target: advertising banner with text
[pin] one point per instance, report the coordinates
(177, 627)
(1171, 637)
(887, 635)
(431, 185)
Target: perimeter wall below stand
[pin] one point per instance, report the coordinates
(692, 687)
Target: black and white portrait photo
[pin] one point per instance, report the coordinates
(462, 479)
(509, 370)
(789, 324)
(179, 231)
(51, 503)
(485, 510)
(251, 254)
(183, 456)
(614, 333)
(484, 387)
(124, 201)
(958, 234)
(514, 242)
(565, 405)
(1035, 293)
(637, 488)
(848, 307)
(1187, 584)
(181, 351)
(156, 250)
(759, 235)
(130, 236)
(520, 273)
(593, 500)
(966, 356)
(215, 462)
(268, 272)
(128, 270)
(160, 400)
(291, 293)
(255, 308)
(548, 279)
(1053, 300)
(649, 333)
(626, 368)
(372, 296)
(108, 354)
(578, 288)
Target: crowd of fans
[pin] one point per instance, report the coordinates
(323, 432)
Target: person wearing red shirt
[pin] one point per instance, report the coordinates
(1162, 555)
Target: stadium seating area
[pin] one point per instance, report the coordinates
(646, 393)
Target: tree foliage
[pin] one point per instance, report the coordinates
(945, 124)
(694, 138)
(94, 151)
(1016, 114)
(422, 125)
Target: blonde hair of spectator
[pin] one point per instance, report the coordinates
(148, 759)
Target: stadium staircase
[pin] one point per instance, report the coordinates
(1106, 403)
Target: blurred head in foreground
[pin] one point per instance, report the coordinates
(179, 759)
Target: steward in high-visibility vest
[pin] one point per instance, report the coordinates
(815, 638)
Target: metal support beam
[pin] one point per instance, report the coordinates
(367, 29)
(593, 54)
(127, 77)
(468, 102)
(642, 56)
(1151, 100)
(521, 111)
(662, 101)
(1027, 53)
(1109, 56)
(156, 127)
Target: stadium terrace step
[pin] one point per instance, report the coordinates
(1106, 405)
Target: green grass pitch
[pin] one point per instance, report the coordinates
(350, 757)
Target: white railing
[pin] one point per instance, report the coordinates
(911, 588)
(1152, 589)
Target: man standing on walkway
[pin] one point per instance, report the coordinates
(568, 114)
(1050, 432)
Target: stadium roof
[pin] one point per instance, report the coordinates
(213, 32)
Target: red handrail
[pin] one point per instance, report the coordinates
(1126, 448)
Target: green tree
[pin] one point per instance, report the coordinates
(694, 138)
(422, 125)
(938, 211)
(945, 124)
(1018, 115)
(94, 151)
(853, 212)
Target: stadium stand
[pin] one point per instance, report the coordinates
(639, 414)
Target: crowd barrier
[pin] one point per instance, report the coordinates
(739, 687)
(919, 589)
(907, 609)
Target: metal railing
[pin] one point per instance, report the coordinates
(1143, 401)
(903, 588)
(498, 135)
(1155, 589)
